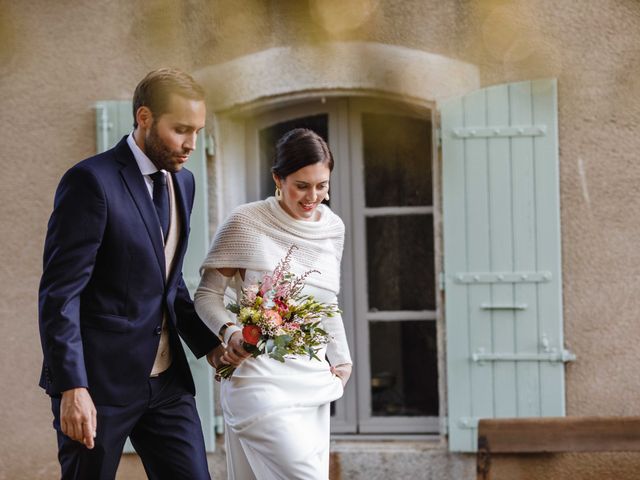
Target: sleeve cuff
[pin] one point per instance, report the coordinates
(230, 331)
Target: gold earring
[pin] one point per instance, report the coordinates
(278, 193)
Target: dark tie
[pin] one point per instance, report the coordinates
(161, 200)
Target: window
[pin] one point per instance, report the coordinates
(382, 187)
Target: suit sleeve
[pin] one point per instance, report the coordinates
(74, 236)
(192, 329)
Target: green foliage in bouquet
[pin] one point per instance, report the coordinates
(277, 319)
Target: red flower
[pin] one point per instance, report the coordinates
(282, 306)
(251, 334)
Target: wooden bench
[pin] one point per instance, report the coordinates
(550, 434)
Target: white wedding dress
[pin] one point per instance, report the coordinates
(277, 414)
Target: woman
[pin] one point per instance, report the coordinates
(277, 414)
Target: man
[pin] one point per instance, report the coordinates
(112, 297)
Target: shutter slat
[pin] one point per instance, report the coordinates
(478, 251)
(501, 230)
(548, 241)
(527, 335)
(458, 347)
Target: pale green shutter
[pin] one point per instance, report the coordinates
(196, 251)
(114, 119)
(503, 283)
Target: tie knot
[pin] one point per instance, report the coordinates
(159, 176)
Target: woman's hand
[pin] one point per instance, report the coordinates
(235, 353)
(343, 372)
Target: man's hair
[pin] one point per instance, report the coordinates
(156, 88)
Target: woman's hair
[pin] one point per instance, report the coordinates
(297, 149)
(154, 91)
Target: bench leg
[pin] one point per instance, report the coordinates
(483, 460)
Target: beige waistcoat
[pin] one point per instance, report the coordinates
(163, 355)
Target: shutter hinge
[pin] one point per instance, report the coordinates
(439, 137)
(441, 279)
(553, 356)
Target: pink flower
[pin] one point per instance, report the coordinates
(273, 317)
(267, 284)
(250, 294)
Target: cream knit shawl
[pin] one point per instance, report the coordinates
(257, 235)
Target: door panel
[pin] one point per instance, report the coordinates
(382, 187)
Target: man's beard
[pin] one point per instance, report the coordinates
(157, 151)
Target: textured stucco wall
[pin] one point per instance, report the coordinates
(58, 58)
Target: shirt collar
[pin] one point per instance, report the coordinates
(145, 165)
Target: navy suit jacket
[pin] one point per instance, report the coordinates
(103, 288)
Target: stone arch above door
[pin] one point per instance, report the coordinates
(339, 67)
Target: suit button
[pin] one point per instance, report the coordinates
(158, 330)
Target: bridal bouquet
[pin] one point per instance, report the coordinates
(277, 319)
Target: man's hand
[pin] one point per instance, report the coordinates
(235, 353)
(214, 357)
(78, 418)
(342, 371)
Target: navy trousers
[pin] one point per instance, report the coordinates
(164, 428)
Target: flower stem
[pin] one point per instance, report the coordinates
(225, 371)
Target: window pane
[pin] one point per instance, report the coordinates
(270, 135)
(397, 160)
(400, 264)
(404, 368)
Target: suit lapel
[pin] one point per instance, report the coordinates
(182, 193)
(140, 194)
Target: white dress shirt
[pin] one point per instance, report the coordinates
(145, 165)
